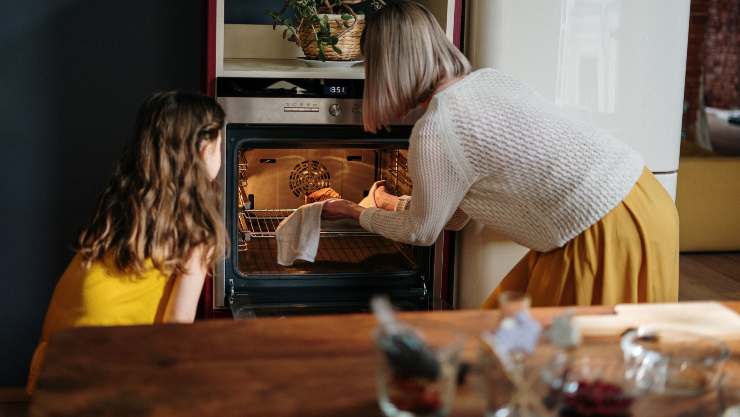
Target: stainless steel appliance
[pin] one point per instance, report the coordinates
(284, 138)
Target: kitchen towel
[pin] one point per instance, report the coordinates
(298, 234)
(369, 200)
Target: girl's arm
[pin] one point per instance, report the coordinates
(186, 290)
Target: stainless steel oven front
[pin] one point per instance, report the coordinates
(283, 139)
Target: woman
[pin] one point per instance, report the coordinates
(601, 229)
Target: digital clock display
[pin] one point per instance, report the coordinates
(336, 90)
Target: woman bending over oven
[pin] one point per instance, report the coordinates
(600, 227)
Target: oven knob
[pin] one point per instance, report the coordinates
(335, 110)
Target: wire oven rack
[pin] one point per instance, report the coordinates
(262, 223)
(342, 254)
(394, 170)
(350, 248)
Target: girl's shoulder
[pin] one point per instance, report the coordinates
(106, 269)
(100, 294)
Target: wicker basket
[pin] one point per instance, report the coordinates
(349, 40)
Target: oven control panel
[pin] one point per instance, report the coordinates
(294, 101)
(335, 109)
(298, 107)
(295, 88)
(291, 100)
(272, 110)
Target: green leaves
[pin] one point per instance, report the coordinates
(321, 45)
(348, 20)
(306, 21)
(324, 27)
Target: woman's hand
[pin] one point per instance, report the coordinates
(385, 200)
(335, 209)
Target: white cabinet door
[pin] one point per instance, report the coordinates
(617, 63)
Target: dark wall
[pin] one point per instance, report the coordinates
(72, 74)
(255, 12)
(250, 11)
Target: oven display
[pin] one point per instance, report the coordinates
(336, 90)
(290, 87)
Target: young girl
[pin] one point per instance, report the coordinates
(600, 227)
(156, 230)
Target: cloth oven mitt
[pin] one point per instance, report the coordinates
(298, 234)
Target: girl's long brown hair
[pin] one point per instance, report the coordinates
(160, 203)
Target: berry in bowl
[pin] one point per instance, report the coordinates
(589, 382)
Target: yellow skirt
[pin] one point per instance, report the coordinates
(629, 256)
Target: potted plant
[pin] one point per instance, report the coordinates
(325, 29)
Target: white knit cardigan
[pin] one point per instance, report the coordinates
(494, 149)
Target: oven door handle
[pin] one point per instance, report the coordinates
(243, 305)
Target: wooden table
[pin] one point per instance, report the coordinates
(309, 366)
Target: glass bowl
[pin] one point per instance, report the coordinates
(419, 385)
(589, 381)
(673, 362)
(729, 394)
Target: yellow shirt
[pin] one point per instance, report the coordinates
(101, 295)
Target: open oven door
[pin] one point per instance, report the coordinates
(269, 170)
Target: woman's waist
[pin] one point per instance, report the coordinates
(544, 217)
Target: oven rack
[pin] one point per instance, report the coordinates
(261, 223)
(372, 254)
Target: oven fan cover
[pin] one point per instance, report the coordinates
(307, 177)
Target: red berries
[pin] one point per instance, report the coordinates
(596, 399)
(415, 395)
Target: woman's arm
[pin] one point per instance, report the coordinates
(391, 202)
(441, 178)
(186, 290)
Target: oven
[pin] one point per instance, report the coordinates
(283, 139)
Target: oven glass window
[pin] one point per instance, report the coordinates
(272, 183)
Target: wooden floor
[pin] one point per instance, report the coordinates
(710, 276)
(714, 276)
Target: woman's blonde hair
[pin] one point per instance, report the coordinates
(160, 203)
(406, 56)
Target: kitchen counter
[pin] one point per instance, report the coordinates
(306, 366)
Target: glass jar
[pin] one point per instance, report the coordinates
(423, 381)
(673, 362)
(510, 360)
